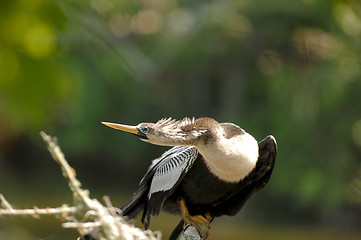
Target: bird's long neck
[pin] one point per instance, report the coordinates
(229, 152)
(230, 159)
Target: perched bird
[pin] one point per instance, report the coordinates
(212, 170)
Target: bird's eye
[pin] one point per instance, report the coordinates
(144, 129)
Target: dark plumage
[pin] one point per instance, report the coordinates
(218, 184)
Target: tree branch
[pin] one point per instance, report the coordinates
(68, 172)
(190, 233)
(87, 215)
(60, 211)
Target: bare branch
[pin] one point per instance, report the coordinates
(190, 233)
(68, 172)
(5, 202)
(60, 211)
(88, 216)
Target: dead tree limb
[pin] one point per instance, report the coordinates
(59, 211)
(86, 215)
(190, 233)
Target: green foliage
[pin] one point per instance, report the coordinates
(287, 68)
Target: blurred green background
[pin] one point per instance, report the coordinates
(287, 68)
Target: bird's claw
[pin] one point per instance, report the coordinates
(200, 223)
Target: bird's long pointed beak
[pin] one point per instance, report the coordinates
(126, 128)
(122, 127)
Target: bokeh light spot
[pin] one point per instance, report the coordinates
(120, 24)
(180, 22)
(315, 43)
(147, 22)
(39, 40)
(269, 62)
(349, 21)
(239, 26)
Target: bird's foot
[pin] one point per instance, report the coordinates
(200, 222)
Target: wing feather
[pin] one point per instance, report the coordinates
(156, 162)
(169, 171)
(164, 175)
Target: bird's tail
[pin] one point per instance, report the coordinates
(136, 203)
(177, 231)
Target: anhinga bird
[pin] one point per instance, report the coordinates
(212, 170)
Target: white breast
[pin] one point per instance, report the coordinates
(231, 159)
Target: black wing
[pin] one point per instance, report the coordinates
(257, 179)
(160, 181)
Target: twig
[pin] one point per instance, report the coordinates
(61, 211)
(5, 203)
(101, 222)
(81, 224)
(68, 172)
(105, 225)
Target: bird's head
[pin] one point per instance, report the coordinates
(167, 131)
